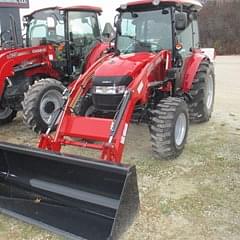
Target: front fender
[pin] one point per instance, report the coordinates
(190, 69)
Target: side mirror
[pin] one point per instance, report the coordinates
(117, 24)
(25, 21)
(116, 19)
(108, 31)
(181, 21)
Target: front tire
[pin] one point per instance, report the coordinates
(169, 128)
(203, 94)
(41, 100)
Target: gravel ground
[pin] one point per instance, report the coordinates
(193, 197)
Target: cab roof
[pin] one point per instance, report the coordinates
(195, 4)
(83, 8)
(72, 8)
(42, 9)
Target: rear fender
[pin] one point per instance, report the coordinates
(95, 54)
(190, 69)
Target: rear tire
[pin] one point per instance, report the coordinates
(203, 93)
(41, 100)
(7, 115)
(169, 128)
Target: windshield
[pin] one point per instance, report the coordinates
(83, 35)
(46, 25)
(149, 31)
(83, 26)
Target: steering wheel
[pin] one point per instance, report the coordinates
(54, 41)
(132, 44)
(143, 45)
(58, 39)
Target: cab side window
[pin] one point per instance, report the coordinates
(189, 37)
(185, 39)
(196, 41)
(0, 34)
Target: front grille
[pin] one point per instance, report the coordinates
(106, 102)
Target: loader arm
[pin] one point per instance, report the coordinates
(109, 134)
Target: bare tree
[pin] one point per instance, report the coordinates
(219, 26)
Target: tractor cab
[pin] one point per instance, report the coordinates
(144, 30)
(152, 26)
(73, 32)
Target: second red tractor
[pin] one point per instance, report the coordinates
(61, 44)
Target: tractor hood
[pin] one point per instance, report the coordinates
(128, 65)
(113, 76)
(2, 51)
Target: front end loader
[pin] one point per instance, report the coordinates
(155, 73)
(74, 196)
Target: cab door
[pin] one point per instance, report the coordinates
(186, 41)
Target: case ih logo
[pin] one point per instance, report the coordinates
(14, 3)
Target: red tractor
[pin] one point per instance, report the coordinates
(61, 43)
(156, 73)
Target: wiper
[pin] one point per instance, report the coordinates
(131, 44)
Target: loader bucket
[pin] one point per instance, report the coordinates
(76, 197)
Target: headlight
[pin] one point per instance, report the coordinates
(109, 89)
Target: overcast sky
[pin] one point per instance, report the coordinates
(108, 6)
